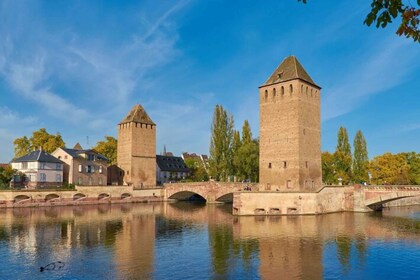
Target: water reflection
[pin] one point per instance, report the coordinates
(190, 240)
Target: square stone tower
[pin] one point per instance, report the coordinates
(136, 151)
(290, 130)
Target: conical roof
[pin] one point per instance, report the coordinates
(289, 69)
(138, 115)
(77, 146)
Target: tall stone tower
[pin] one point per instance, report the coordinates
(136, 152)
(290, 129)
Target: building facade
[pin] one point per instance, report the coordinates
(83, 167)
(136, 151)
(290, 130)
(41, 170)
(170, 169)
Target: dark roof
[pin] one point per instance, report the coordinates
(289, 69)
(172, 164)
(76, 153)
(39, 155)
(138, 115)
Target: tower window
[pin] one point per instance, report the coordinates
(282, 91)
(291, 88)
(306, 91)
(274, 92)
(306, 164)
(269, 165)
(266, 95)
(284, 164)
(301, 89)
(304, 131)
(311, 92)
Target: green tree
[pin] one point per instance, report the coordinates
(198, 172)
(247, 158)
(108, 148)
(6, 175)
(328, 168)
(385, 11)
(40, 139)
(221, 160)
(389, 169)
(343, 157)
(236, 145)
(360, 159)
(413, 160)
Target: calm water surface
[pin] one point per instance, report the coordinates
(195, 241)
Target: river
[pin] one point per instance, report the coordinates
(198, 241)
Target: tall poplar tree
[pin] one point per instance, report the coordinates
(247, 159)
(360, 158)
(221, 162)
(236, 145)
(343, 157)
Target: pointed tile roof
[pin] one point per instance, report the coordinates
(39, 155)
(138, 115)
(289, 69)
(77, 146)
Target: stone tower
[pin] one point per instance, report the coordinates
(136, 152)
(290, 129)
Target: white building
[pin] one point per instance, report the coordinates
(170, 169)
(41, 169)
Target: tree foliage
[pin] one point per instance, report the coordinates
(328, 168)
(40, 139)
(198, 172)
(108, 148)
(221, 160)
(6, 175)
(247, 156)
(396, 169)
(360, 159)
(384, 12)
(343, 157)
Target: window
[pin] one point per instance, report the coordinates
(284, 164)
(42, 165)
(100, 181)
(80, 181)
(32, 178)
(58, 178)
(301, 89)
(65, 157)
(269, 165)
(80, 168)
(58, 166)
(90, 181)
(306, 164)
(87, 168)
(92, 169)
(274, 92)
(31, 165)
(290, 88)
(266, 95)
(100, 169)
(42, 177)
(282, 91)
(91, 157)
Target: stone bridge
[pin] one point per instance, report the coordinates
(374, 197)
(211, 191)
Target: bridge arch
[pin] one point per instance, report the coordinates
(79, 196)
(52, 197)
(21, 198)
(377, 202)
(187, 196)
(103, 196)
(126, 196)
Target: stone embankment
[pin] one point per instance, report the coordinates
(82, 195)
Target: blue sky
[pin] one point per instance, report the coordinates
(78, 67)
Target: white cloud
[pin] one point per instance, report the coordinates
(381, 69)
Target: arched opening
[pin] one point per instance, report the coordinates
(52, 197)
(21, 198)
(103, 196)
(266, 95)
(187, 196)
(290, 88)
(282, 91)
(227, 198)
(79, 196)
(125, 196)
(274, 92)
